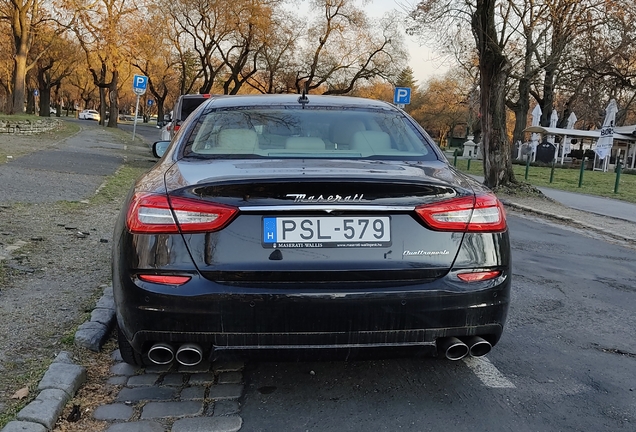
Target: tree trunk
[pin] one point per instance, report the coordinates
(30, 106)
(548, 95)
(45, 101)
(102, 105)
(19, 80)
(497, 155)
(44, 83)
(521, 110)
(113, 98)
(494, 68)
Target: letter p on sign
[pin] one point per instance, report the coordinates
(140, 83)
(402, 96)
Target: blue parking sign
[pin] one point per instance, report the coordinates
(140, 83)
(402, 96)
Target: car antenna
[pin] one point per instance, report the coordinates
(303, 99)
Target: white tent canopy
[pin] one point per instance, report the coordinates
(621, 133)
(592, 134)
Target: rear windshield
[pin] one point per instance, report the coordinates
(188, 105)
(292, 132)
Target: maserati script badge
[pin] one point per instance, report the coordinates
(303, 198)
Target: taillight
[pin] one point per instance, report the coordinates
(164, 279)
(176, 127)
(478, 276)
(482, 213)
(150, 213)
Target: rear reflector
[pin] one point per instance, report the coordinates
(155, 214)
(482, 213)
(478, 276)
(165, 279)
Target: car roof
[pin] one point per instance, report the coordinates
(292, 99)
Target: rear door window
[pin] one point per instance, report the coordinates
(317, 132)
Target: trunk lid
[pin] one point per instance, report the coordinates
(365, 209)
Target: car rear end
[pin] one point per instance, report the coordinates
(308, 244)
(186, 104)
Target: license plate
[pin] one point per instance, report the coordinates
(331, 231)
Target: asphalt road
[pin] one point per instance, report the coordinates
(148, 131)
(566, 362)
(74, 168)
(71, 170)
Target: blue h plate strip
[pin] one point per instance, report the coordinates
(269, 230)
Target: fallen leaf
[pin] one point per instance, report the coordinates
(75, 414)
(21, 394)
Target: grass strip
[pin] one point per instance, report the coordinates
(596, 183)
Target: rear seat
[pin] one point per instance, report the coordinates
(341, 133)
(228, 140)
(371, 142)
(305, 143)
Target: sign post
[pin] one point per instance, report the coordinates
(140, 83)
(36, 93)
(402, 96)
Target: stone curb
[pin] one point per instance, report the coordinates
(569, 219)
(59, 384)
(63, 378)
(92, 334)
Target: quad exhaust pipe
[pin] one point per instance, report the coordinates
(452, 348)
(189, 354)
(477, 346)
(163, 353)
(456, 349)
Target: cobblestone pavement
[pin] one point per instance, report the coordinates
(203, 398)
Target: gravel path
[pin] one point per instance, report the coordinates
(54, 246)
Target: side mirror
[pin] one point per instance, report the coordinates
(159, 148)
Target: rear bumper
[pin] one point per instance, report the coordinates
(221, 317)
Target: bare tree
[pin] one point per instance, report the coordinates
(490, 33)
(277, 58)
(101, 30)
(494, 68)
(441, 104)
(58, 59)
(605, 57)
(344, 47)
(23, 16)
(151, 53)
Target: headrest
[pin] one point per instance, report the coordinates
(373, 141)
(241, 140)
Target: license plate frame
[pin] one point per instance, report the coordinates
(360, 231)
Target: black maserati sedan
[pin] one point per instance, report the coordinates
(307, 223)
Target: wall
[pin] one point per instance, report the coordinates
(28, 127)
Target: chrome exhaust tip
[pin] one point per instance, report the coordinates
(189, 354)
(478, 346)
(452, 348)
(161, 353)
